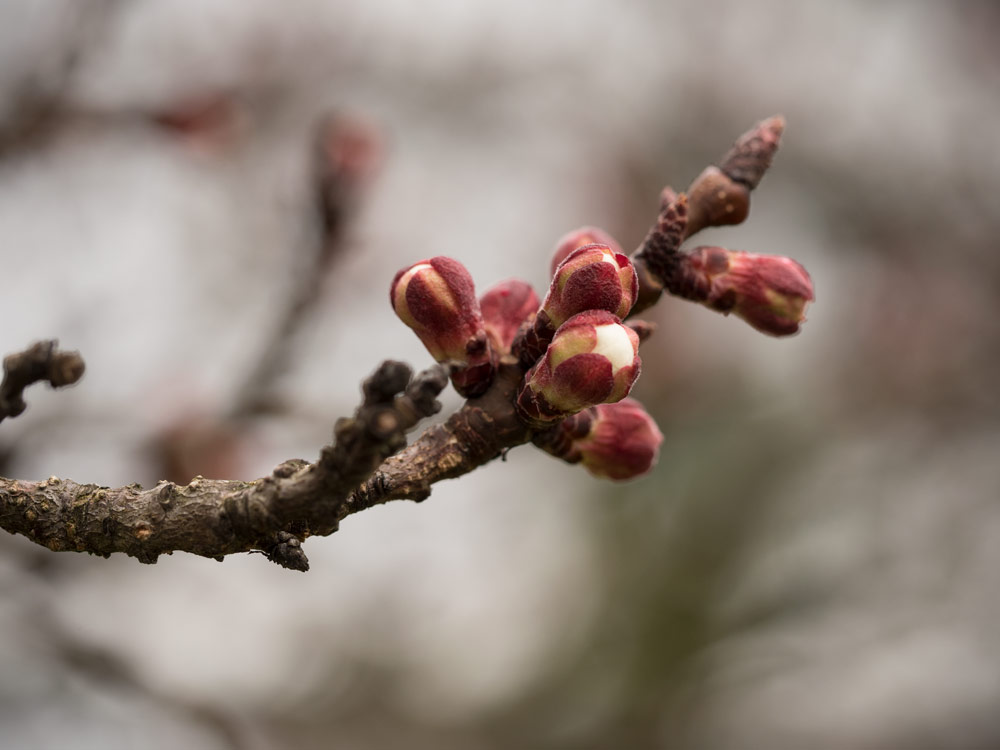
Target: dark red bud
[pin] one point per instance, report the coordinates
(505, 308)
(580, 238)
(770, 292)
(623, 441)
(436, 298)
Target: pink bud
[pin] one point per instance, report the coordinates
(770, 292)
(208, 122)
(593, 359)
(437, 299)
(593, 277)
(623, 441)
(505, 308)
(350, 148)
(579, 238)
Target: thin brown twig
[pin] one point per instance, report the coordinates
(40, 362)
(719, 196)
(335, 195)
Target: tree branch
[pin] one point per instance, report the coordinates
(335, 190)
(214, 518)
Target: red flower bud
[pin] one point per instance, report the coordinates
(505, 308)
(623, 441)
(593, 277)
(593, 359)
(769, 292)
(351, 149)
(436, 298)
(579, 238)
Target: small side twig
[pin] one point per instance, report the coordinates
(42, 361)
(719, 196)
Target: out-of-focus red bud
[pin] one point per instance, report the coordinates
(593, 359)
(579, 238)
(505, 308)
(206, 122)
(623, 441)
(770, 292)
(436, 298)
(196, 445)
(351, 148)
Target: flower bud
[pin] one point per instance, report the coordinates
(716, 200)
(505, 308)
(436, 298)
(622, 442)
(351, 149)
(593, 277)
(579, 238)
(769, 292)
(751, 155)
(593, 359)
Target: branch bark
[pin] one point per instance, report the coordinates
(214, 518)
(482, 430)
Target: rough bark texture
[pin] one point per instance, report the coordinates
(479, 432)
(274, 514)
(214, 518)
(656, 259)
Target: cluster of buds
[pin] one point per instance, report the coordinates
(613, 441)
(590, 356)
(592, 277)
(436, 298)
(593, 359)
(579, 358)
(769, 292)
